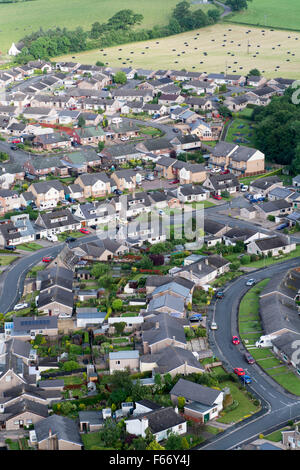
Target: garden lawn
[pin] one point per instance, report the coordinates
(246, 407)
(268, 261)
(6, 259)
(276, 435)
(30, 246)
(289, 381)
(260, 353)
(266, 363)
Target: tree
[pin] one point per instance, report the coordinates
(96, 30)
(157, 260)
(174, 442)
(101, 146)
(225, 112)
(238, 5)
(81, 121)
(119, 327)
(181, 402)
(120, 77)
(124, 19)
(154, 445)
(99, 269)
(145, 263)
(99, 63)
(254, 73)
(117, 304)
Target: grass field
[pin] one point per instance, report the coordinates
(20, 19)
(271, 13)
(209, 40)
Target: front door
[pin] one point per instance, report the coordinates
(206, 418)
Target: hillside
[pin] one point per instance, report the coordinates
(272, 13)
(19, 19)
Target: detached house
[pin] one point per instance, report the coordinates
(126, 179)
(94, 184)
(219, 183)
(18, 230)
(201, 403)
(274, 245)
(204, 271)
(47, 194)
(160, 422)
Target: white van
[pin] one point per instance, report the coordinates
(52, 238)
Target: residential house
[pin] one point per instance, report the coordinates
(271, 246)
(19, 229)
(57, 433)
(160, 422)
(94, 184)
(204, 271)
(191, 193)
(263, 186)
(163, 331)
(202, 404)
(244, 234)
(279, 208)
(126, 179)
(47, 194)
(56, 222)
(217, 183)
(171, 360)
(9, 200)
(123, 360)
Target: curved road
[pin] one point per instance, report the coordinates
(282, 406)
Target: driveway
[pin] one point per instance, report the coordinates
(158, 184)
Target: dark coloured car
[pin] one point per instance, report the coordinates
(249, 358)
(70, 239)
(220, 294)
(10, 247)
(245, 379)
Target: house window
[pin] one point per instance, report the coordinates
(117, 362)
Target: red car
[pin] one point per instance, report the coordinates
(225, 172)
(216, 196)
(84, 230)
(239, 371)
(175, 182)
(235, 340)
(47, 259)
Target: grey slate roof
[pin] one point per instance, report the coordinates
(162, 419)
(65, 428)
(171, 358)
(195, 392)
(168, 328)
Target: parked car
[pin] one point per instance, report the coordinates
(216, 196)
(235, 340)
(84, 230)
(220, 294)
(196, 317)
(282, 226)
(21, 306)
(175, 182)
(244, 187)
(70, 239)
(245, 379)
(250, 282)
(149, 177)
(124, 138)
(10, 247)
(239, 371)
(47, 259)
(213, 326)
(175, 130)
(224, 172)
(249, 358)
(13, 147)
(118, 192)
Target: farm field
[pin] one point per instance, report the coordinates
(270, 13)
(226, 45)
(19, 19)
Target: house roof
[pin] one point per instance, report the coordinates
(163, 327)
(195, 392)
(273, 206)
(171, 358)
(64, 428)
(271, 243)
(162, 419)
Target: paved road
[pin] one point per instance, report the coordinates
(12, 280)
(281, 406)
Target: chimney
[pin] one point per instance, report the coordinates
(206, 261)
(50, 433)
(174, 339)
(176, 410)
(157, 325)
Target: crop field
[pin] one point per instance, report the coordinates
(19, 19)
(217, 48)
(270, 13)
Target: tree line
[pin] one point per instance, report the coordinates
(119, 29)
(277, 130)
